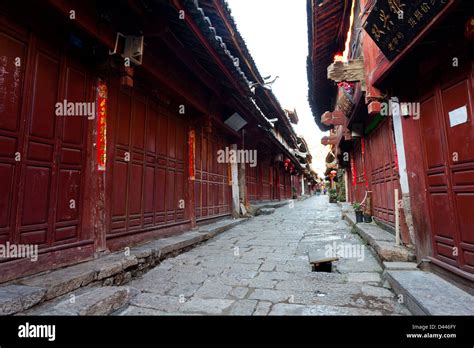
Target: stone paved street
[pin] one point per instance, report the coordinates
(261, 267)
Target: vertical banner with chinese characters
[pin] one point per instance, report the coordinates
(353, 171)
(191, 147)
(393, 24)
(101, 125)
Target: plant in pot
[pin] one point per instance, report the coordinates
(358, 211)
(332, 196)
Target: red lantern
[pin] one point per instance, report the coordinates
(286, 163)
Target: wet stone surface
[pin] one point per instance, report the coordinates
(262, 268)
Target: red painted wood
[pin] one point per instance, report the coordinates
(147, 191)
(42, 194)
(212, 192)
(449, 171)
(251, 179)
(382, 172)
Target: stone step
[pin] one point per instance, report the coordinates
(97, 301)
(400, 266)
(266, 211)
(16, 298)
(382, 241)
(425, 293)
(219, 227)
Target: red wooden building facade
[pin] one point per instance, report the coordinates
(165, 123)
(426, 154)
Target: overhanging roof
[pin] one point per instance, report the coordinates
(328, 23)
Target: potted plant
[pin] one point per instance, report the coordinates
(358, 211)
(295, 195)
(332, 196)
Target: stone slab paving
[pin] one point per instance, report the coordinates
(262, 268)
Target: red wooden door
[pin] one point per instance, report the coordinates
(212, 192)
(251, 182)
(41, 193)
(382, 171)
(276, 180)
(265, 181)
(359, 162)
(146, 172)
(448, 144)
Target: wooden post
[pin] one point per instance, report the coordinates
(397, 222)
(235, 186)
(242, 185)
(302, 184)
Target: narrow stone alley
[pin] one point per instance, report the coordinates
(261, 267)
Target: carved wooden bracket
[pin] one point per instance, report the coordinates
(337, 117)
(329, 140)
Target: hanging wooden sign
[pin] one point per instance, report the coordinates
(393, 24)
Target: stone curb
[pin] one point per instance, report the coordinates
(267, 208)
(425, 293)
(113, 269)
(380, 240)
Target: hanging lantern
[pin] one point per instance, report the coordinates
(286, 163)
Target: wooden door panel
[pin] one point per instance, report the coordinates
(466, 221)
(73, 126)
(151, 184)
(212, 191)
(160, 179)
(11, 91)
(460, 137)
(71, 150)
(119, 191)
(443, 221)
(45, 96)
(380, 163)
(36, 200)
(123, 119)
(69, 183)
(135, 189)
(138, 127)
(460, 153)
(438, 199)
(431, 133)
(39, 179)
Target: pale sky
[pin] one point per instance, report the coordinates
(275, 32)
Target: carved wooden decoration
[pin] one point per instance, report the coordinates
(337, 117)
(329, 140)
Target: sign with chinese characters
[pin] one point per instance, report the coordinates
(101, 125)
(392, 24)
